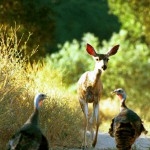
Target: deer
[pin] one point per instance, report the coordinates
(89, 90)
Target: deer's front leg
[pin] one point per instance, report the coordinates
(96, 114)
(84, 107)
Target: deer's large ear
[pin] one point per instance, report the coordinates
(113, 51)
(90, 50)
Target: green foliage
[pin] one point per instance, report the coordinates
(72, 59)
(134, 16)
(73, 18)
(53, 22)
(128, 69)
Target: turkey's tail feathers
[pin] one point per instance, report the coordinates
(124, 136)
(44, 144)
(111, 129)
(143, 129)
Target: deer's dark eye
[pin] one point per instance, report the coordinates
(97, 59)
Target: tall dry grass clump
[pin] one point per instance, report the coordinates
(20, 81)
(12, 90)
(60, 116)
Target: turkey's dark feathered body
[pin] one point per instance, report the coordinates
(124, 136)
(29, 137)
(126, 128)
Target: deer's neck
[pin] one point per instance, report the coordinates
(97, 74)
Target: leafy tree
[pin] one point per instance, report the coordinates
(134, 16)
(74, 18)
(54, 22)
(33, 16)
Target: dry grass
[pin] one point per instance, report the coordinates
(20, 81)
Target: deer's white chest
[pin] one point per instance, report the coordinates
(90, 79)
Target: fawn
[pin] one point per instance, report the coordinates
(90, 88)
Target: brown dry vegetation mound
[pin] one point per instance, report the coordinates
(20, 81)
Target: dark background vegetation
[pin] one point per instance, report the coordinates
(53, 22)
(59, 31)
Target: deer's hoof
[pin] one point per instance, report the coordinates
(93, 144)
(85, 147)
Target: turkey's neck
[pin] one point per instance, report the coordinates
(122, 104)
(34, 117)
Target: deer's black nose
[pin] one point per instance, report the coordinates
(104, 67)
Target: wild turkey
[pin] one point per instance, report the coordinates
(127, 126)
(30, 137)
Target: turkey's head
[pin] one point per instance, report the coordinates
(120, 92)
(38, 100)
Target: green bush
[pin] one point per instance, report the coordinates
(72, 59)
(128, 69)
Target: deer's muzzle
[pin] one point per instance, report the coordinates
(104, 67)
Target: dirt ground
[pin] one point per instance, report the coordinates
(105, 142)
